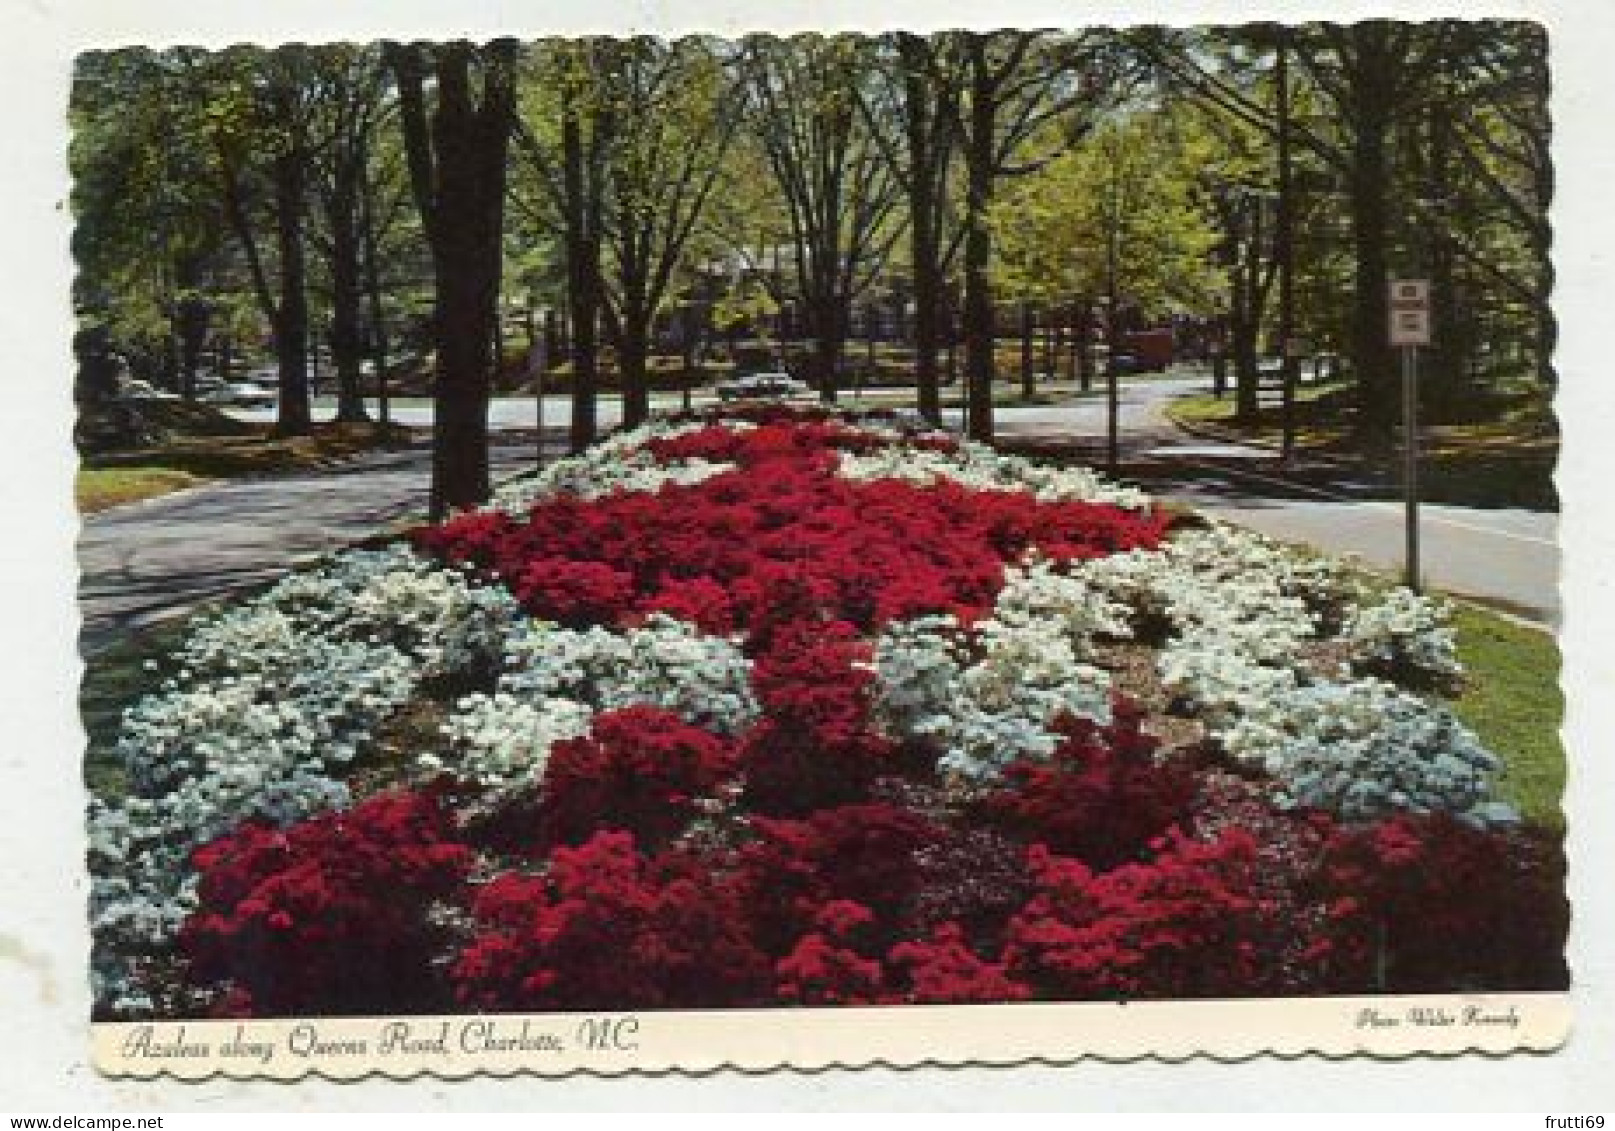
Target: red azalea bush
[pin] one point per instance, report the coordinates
(1423, 903)
(815, 745)
(330, 915)
(1185, 923)
(1102, 798)
(607, 928)
(825, 967)
(864, 854)
(799, 440)
(640, 769)
(943, 970)
(972, 880)
(837, 964)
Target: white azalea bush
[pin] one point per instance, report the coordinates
(556, 680)
(620, 462)
(1364, 749)
(266, 706)
(1241, 611)
(1405, 632)
(979, 467)
(989, 695)
(1224, 579)
(502, 741)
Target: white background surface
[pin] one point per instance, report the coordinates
(43, 998)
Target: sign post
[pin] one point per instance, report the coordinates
(1410, 328)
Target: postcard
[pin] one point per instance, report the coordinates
(627, 554)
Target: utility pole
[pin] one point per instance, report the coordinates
(1283, 238)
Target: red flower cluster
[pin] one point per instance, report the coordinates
(783, 530)
(330, 915)
(814, 745)
(641, 769)
(806, 441)
(1183, 924)
(1102, 798)
(1423, 903)
(607, 927)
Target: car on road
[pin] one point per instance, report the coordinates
(753, 385)
(134, 389)
(241, 395)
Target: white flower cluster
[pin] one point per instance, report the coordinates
(504, 740)
(1405, 632)
(620, 462)
(556, 679)
(1240, 610)
(979, 467)
(267, 701)
(1364, 748)
(1222, 583)
(987, 696)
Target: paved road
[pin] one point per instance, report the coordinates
(1505, 557)
(148, 562)
(154, 560)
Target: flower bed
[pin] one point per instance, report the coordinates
(788, 707)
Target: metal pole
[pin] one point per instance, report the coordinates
(1410, 453)
(540, 364)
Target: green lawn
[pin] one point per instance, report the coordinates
(1506, 461)
(113, 478)
(99, 488)
(114, 679)
(1514, 703)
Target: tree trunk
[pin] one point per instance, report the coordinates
(1084, 346)
(928, 290)
(471, 145)
(1449, 322)
(347, 345)
(1053, 338)
(978, 247)
(457, 171)
(378, 334)
(1246, 326)
(372, 282)
(828, 312)
(633, 352)
(1247, 399)
(924, 212)
(583, 283)
(294, 417)
(1371, 361)
(192, 317)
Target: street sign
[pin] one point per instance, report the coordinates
(1410, 327)
(1410, 312)
(1410, 292)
